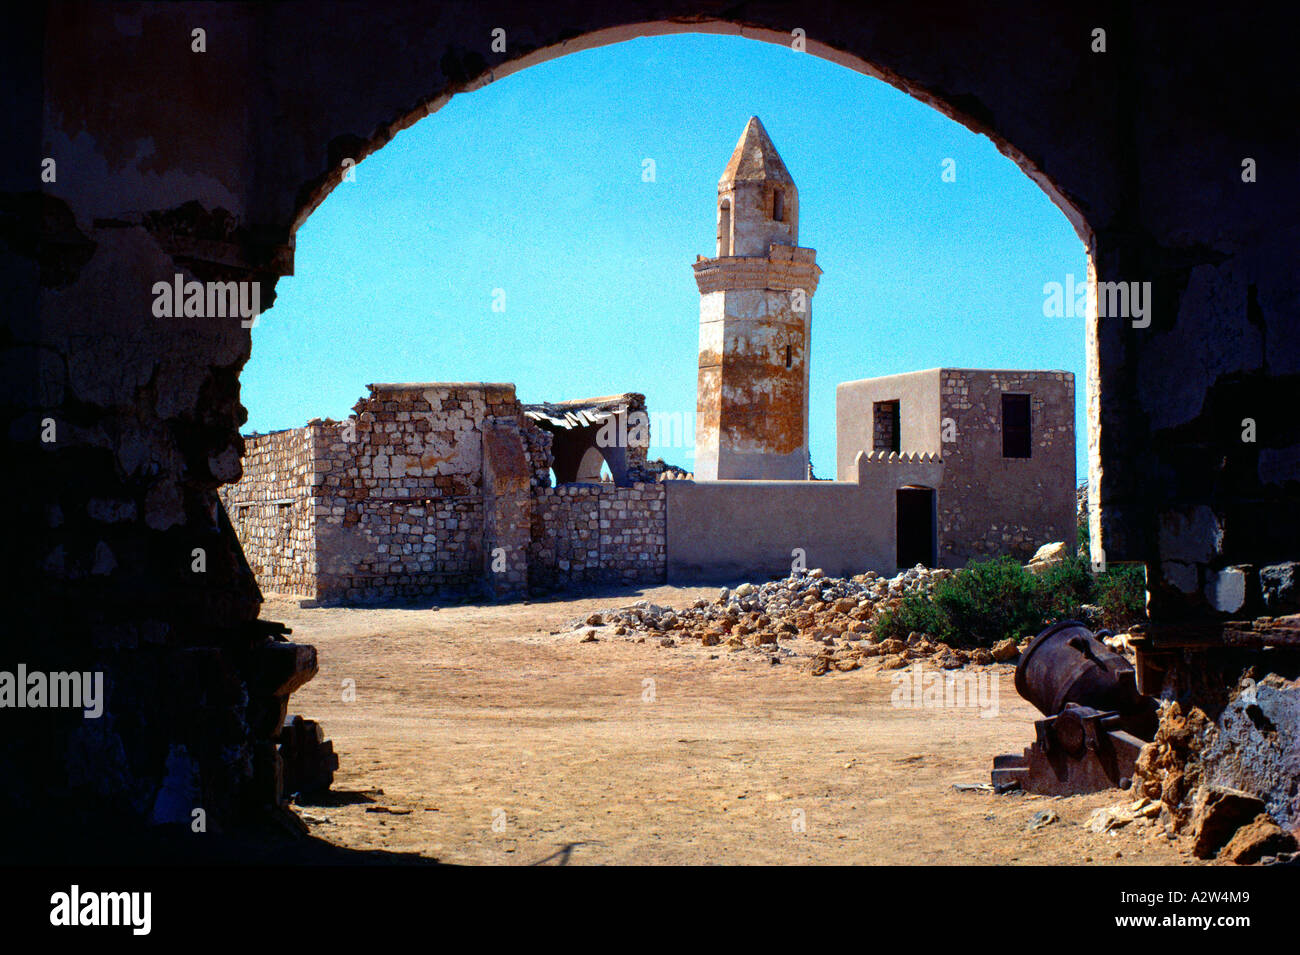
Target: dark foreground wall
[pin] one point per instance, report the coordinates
(202, 164)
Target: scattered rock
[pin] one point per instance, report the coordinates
(1042, 819)
(1108, 818)
(1005, 650)
(837, 613)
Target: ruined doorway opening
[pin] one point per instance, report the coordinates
(917, 537)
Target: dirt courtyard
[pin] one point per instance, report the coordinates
(477, 736)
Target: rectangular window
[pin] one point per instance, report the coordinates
(1017, 441)
(886, 429)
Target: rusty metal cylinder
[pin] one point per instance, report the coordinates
(1066, 663)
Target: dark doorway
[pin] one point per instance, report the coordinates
(917, 541)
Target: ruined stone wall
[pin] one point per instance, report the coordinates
(430, 490)
(400, 501)
(993, 505)
(598, 534)
(271, 509)
(507, 513)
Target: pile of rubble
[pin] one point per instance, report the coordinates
(808, 614)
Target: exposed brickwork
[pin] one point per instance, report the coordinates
(587, 533)
(433, 490)
(992, 504)
(271, 510)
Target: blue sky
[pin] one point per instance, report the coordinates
(533, 185)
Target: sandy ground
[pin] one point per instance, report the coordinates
(478, 736)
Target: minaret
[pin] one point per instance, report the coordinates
(755, 318)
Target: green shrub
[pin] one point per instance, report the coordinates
(914, 613)
(993, 599)
(1064, 588)
(1121, 595)
(989, 601)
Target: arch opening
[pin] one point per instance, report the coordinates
(314, 193)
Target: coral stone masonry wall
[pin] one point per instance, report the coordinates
(400, 497)
(432, 490)
(996, 505)
(586, 533)
(271, 509)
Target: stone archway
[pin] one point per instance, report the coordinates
(211, 180)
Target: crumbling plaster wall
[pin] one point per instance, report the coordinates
(751, 403)
(1142, 146)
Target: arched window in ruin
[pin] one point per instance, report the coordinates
(724, 228)
(778, 205)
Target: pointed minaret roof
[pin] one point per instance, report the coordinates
(755, 158)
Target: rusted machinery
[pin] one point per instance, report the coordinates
(1096, 720)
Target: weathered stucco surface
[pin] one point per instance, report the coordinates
(749, 530)
(755, 319)
(205, 164)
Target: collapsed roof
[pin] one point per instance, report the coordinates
(583, 412)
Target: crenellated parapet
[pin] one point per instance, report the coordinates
(896, 469)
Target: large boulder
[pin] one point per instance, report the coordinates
(1258, 838)
(1257, 746)
(1217, 814)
